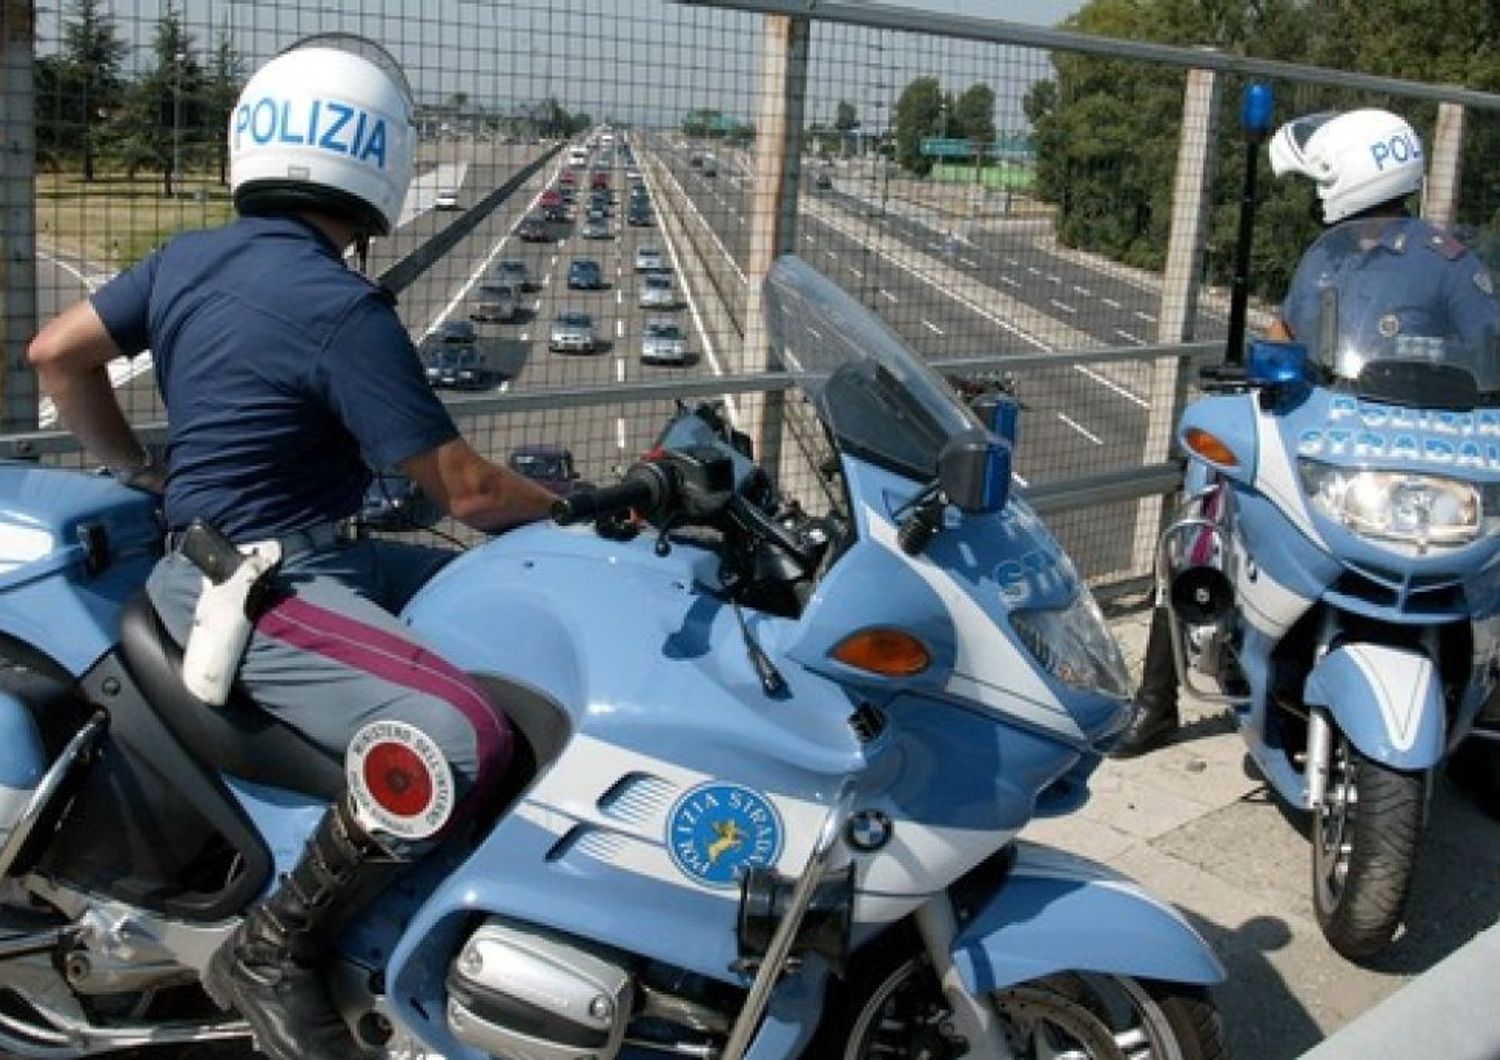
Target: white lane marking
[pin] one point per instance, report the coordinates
(1112, 303)
(887, 294)
(1147, 317)
(1081, 429)
(1083, 291)
(1062, 305)
(1011, 261)
(92, 281)
(619, 296)
(619, 369)
(1055, 279)
(1129, 337)
(970, 262)
(554, 259)
(546, 279)
(620, 431)
(619, 329)
(1019, 480)
(525, 335)
(1033, 270)
(1112, 385)
(831, 254)
(932, 327)
(856, 272)
(1010, 282)
(933, 244)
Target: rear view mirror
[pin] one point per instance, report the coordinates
(974, 471)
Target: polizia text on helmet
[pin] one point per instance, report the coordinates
(322, 123)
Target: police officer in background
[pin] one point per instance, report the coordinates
(1366, 164)
(285, 374)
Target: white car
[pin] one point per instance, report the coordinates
(663, 343)
(447, 199)
(649, 259)
(572, 332)
(657, 292)
(513, 272)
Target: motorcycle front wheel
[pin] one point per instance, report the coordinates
(894, 1009)
(1364, 840)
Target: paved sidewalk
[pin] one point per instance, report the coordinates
(1194, 826)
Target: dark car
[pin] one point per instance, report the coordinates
(585, 274)
(533, 229)
(824, 182)
(457, 332)
(549, 465)
(460, 367)
(394, 502)
(638, 215)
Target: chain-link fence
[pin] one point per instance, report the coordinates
(1012, 202)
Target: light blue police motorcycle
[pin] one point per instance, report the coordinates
(772, 767)
(1335, 578)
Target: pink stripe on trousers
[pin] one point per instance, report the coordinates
(402, 662)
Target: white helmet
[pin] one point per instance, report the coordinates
(327, 126)
(1358, 159)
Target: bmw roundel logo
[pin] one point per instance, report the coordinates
(716, 829)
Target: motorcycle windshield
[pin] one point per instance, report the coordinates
(1368, 324)
(877, 399)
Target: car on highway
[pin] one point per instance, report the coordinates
(633, 177)
(657, 292)
(649, 259)
(599, 179)
(394, 502)
(534, 229)
(597, 229)
(824, 182)
(547, 464)
(460, 367)
(567, 179)
(514, 272)
(639, 215)
(447, 199)
(572, 332)
(552, 205)
(600, 200)
(457, 333)
(710, 165)
(585, 274)
(662, 342)
(497, 301)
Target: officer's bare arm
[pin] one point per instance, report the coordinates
(70, 355)
(475, 491)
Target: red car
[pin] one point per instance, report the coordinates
(600, 179)
(567, 178)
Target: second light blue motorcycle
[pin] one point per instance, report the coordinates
(1335, 578)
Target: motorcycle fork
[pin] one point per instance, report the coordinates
(974, 1018)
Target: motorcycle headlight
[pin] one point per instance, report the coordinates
(1397, 506)
(1074, 645)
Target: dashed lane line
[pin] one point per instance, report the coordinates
(1090, 435)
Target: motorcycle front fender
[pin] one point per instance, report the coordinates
(1388, 701)
(1056, 912)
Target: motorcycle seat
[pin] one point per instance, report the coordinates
(239, 738)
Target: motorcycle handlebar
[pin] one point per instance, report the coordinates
(645, 487)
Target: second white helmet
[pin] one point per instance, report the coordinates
(326, 125)
(1358, 159)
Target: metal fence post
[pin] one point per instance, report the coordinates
(773, 209)
(18, 309)
(1444, 173)
(1191, 202)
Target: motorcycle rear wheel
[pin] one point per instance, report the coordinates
(894, 1009)
(1364, 839)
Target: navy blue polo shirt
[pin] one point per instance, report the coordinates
(283, 371)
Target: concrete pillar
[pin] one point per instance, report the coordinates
(18, 308)
(1444, 165)
(1181, 281)
(772, 199)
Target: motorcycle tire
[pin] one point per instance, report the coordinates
(1364, 840)
(892, 1008)
(1475, 768)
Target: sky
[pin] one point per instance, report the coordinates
(644, 61)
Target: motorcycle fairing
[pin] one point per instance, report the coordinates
(1387, 700)
(1230, 419)
(1059, 912)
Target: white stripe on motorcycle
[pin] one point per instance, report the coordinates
(1277, 479)
(1400, 688)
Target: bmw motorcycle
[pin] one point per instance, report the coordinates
(771, 767)
(1335, 578)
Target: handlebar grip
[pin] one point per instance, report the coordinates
(643, 488)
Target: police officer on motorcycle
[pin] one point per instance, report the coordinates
(285, 373)
(1366, 165)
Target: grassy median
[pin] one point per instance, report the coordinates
(115, 220)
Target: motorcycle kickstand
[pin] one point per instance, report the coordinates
(974, 1018)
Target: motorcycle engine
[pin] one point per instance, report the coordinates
(527, 994)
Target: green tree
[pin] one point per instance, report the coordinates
(918, 114)
(87, 79)
(972, 114)
(161, 121)
(845, 118)
(221, 90)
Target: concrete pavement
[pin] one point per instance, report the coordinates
(1195, 826)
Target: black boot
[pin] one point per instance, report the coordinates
(271, 968)
(1155, 720)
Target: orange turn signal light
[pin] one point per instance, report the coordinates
(1209, 447)
(888, 652)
